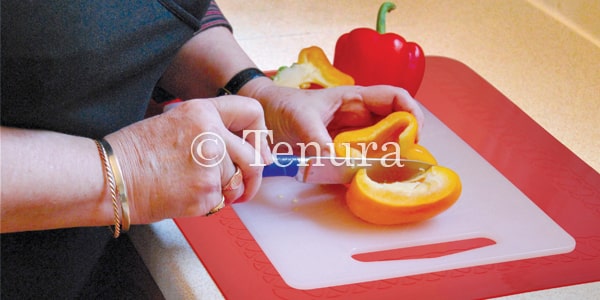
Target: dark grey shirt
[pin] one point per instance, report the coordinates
(89, 67)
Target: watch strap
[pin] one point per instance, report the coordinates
(239, 80)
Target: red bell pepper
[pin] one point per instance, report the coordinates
(375, 57)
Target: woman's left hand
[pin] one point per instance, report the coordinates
(305, 116)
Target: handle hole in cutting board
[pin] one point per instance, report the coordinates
(424, 251)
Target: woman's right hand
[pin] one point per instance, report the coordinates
(170, 173)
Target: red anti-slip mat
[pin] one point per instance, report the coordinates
(556, 180)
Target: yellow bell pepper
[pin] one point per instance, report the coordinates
(412, 200)
(398, 131)
(382, 198)
(312, 67)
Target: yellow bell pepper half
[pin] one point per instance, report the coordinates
(384, 200)
(313, 67)
(396, 132)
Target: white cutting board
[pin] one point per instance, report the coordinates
(309, 235)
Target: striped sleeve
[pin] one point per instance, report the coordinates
(214, 17)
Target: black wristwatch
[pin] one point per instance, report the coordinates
(239, 80)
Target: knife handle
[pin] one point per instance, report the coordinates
(283, 165)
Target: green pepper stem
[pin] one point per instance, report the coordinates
(385, 8)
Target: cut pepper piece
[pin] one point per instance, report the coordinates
(313, 67)
(414, 200)
(393, 137)
(389, 197)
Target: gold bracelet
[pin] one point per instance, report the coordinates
(107, 172)
(121, 189)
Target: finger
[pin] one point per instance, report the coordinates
(246, 115)
(239, 113)
(210, 199)
(232, 184)
(243, 156)
(210, 152)
(352, 113)
(383, 100)
(234, 149)
(314, 137)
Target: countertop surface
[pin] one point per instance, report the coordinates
(544, 55)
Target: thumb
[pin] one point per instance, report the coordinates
(316, 139)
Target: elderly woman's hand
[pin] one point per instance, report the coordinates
(176, 164)
(304, 116)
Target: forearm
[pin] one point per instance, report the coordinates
(205, 64)
(51, 180)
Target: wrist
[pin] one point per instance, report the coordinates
(117, 187)
(239, 80)
(121, 165)
(254, 88)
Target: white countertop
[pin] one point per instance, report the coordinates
(544, 55)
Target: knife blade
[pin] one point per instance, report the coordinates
(340, 170)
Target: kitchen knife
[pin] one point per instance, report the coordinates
(340, 170)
